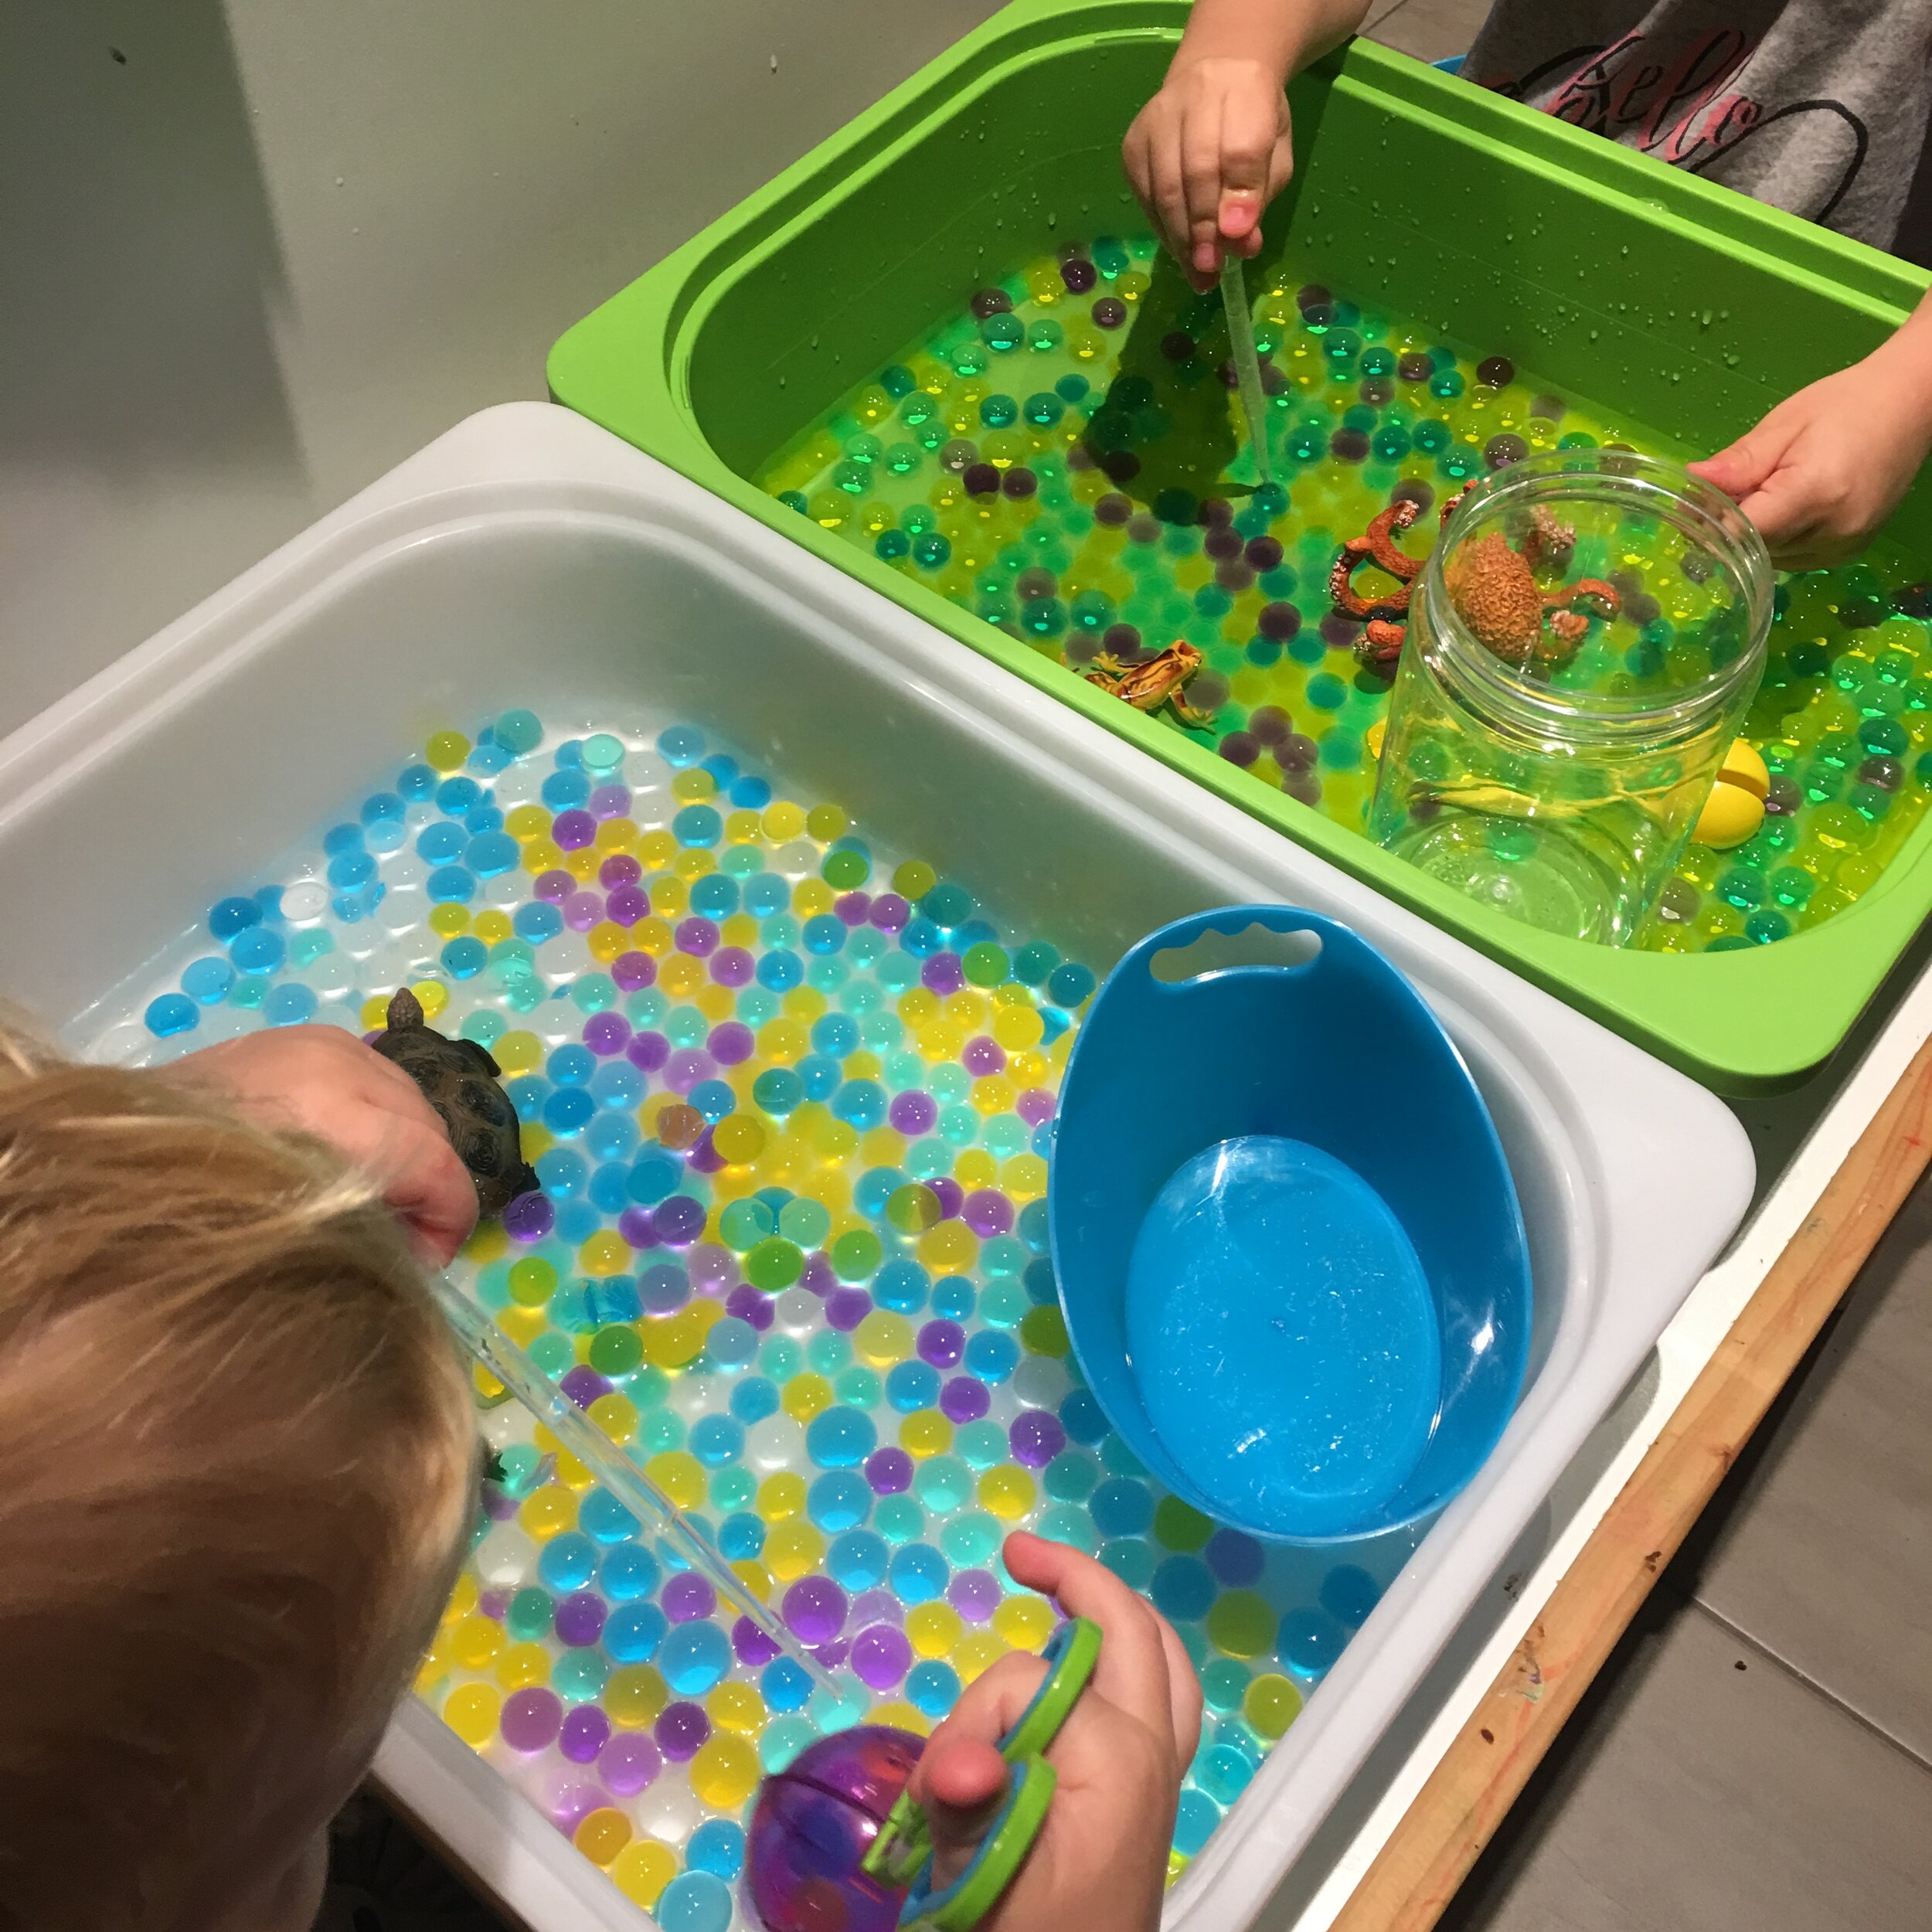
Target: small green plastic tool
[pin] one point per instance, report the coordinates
(1247, 364)
(903, 1853)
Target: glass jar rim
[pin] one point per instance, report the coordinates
(1652, 486)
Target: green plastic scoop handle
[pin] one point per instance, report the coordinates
(1247, 364)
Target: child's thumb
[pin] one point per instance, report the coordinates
(965, 1783)
(1739, 468)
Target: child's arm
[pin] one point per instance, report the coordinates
(1211, 150)
(320, 1081)
(1100, 1859)
(1827, 466)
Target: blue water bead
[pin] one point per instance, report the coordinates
(1081, 1416)
(1182, 1587)
(537, 919)
(1235, 1558)
(922, 938)
(900, 1285)
(911, 1386)
(207, 980)
(1224, 1772)
(785, 1685)
(715, 895)
(610, 1189)
(932, 1688)
(465, 958)
(347, 870)
(1195, 1822)
(417, 782)
(838, 1500)
(713, 1099)
(568, 1561)
(943, 1483)
(695, 1901)
(751, 793)
(954, 1298)
(991, 1356)
(821, 1075)
(823, 933)
(699, 825)
(1031, 1227)
(1309, 1640)
(838, 1437)
(612, 1297)
(518, 732)
(571, 1066)
(440, 843)
(654, 1175)
(172, 1013)
(453, 885)
(898, 1518)
(457, 795)
(289, 1004)
(565, 791)
(342, 838)
(918, 1573)
(858, 1560)
(694, 1656)
(971, 1541)
(630, 1572)
(731, 1343)
(1131, 1559)
(716, 1846)
(715, 1440)
(258, 950)
(633, 1632)
(1065, 1523)
(492, 853)
(836, 1034)
(1068, 986)
(741, 1537)
(753, 1398)
(567, 1110)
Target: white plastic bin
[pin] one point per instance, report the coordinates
(529, 558)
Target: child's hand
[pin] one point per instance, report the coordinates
(1101, 1858)
(322, 1080)
(1206, 155)
(1827, 467)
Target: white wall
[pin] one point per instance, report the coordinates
(281, 243)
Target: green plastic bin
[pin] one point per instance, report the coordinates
(1684, 305)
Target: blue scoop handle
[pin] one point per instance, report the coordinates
(1341, 950)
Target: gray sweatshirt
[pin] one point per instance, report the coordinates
(1819, 106)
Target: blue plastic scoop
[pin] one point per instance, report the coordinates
(1289, 1249)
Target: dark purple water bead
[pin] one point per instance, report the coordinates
(753, 1646)
(1144, 529)
(530, 1216)
(1221, 542)
(1349, 446)
(1376, 390)
(635, 1225)
(586, 1732)
(1080, 458)
(1304, 787)
(1121, 640)
(814, 1610)
(949, 1194)
(1915, 600)
(579, 1618)
(574, 830)
(1548, 409)
(1887, 774)
(988, 1212)
(679, 1220)
(1109, 312)
(680, 1729)
(1079, 274)
(1215, 511)
(1783, 797)
(583, 910)
(697, 936)
(1272, 381)
(732, 966)
(1415, 369)
(1296, 753)
(554, 887)
(747, 1302)
(965, 1399)
(687, 1597)
(607, 1034)
(851, 908)
(730, 1042)
(942, 1343)
(1263, 552)
(942, 974)
(584, 1385)
(912, 1113)
(890, 913)
(648, 1051)
(1235, 1557)
(619, 869)
(1412, 489)
(1020, 483)
(981, 479)
(634, 970)
(818, 1278)
(1177, 346)
(532, 1718)
(1278, 622)
(881, 1657)
(1035, 1437)
(1240, 748)
(497, 1506)
(1113, 510)
(629, 1762)
(889, 1471)
(1035, 581)
(990, 302)
(846, 1308)
(1339, 630)
(1233, 575)
(1121, 466)
(1500, 451)
(1269, 723)
(1499, 372)
(1313, 295)
(1677, 903)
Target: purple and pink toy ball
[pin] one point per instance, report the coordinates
(814, 1823)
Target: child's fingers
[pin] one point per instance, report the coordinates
(1248, 125)
(1170, 188)
(1133, 1672)
(1184, 1693)
(1201, 176)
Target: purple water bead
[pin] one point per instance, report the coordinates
(988, 1212)
(1235, 1557)
(574, 1801)
(814, 1610)
(648, 1051)
(586, 1732)
(584, 1385)
(714, 1269)
(582, 910)
(574, 830)
(730, 1042)
(732, 966)
(704, 1158)
(679, 1221)
(1036, 1437)
(554, 887)
(686, 1068)
(1279, 622)
(607, 1034)
(965, 1399)
(609, 801)
(619, 869)
(984, 1055)
(627, 904)
(1079, 274)
(1109, 312)
(532, 1719)
(889, 1471)
(681, 1728)
(992, 301)
(881, 1657)
(1349, 446)
(851, 908)
(890, 913)
(530, 1216)
(696, 936)
(942, 1343)
(1240, 748)
(628, 1763)
(579, 1618)
(688, 1597)
(494, 1603)
(1020, 483)
(633, 972)
(755, 1647)
(818, 1276)
(749, 1305)
(1222, 543)
(942, 974)
(878, 1606)
(949, 1194)
(981, 479)
(1035, 1106)
(974, 1594)
(635, 1225)
(912, 1113)
(846, 1308)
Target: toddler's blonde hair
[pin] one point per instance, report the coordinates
(236, 1456)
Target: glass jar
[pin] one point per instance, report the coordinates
(1583, 643)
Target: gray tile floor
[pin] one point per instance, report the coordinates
(1757, 1755)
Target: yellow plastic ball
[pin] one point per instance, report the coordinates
(1735, 809)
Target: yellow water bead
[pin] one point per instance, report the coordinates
(993, 1093)
(794, 1547)
(932, 1629)
(1025, 1622)
(902, 1716)
(917, 1004)
(489, 1392)
(881, 1146)
(526, 822)
(604, 1253)
(680, 1475)
(692, 863)
(616, 1415)
(725, 1772)
(463, 1599)
(490, 1239)
(653, 936)
(573, 1474)
(975, 1168)
(522, 1667)
(522, 1325)
(740, 929)
(755, 1577)
(811, 896)
(547, 1512)
(781, 1496)
(1029, 1069)
(738, 1137)
(581, 865)
(473, 1713)
(949, 1248)
(1024, 1177)
(643, 1869)
(967, 1008)
(977, 1652)
(669, 897)
(492, 927)
(693, 785)
(431, 1671)
(1272, 1704)
(603, 1834)
(882, 1338)
(448, 920)
(805, 1002)
(616, 834)
(375, 1014)
(446, 750)
(474, 1640)
(835, 1140)
(783, 1043)
(635, 1695)
(914, 879)
(1007, 1492)
(940, 1039)
(737, 1707)
(541, 856)
(656, 850)
(1017, 1027)
(607, 941)
(783, 821)
(861, 1064)
(517, 1052)
(806, 1396)
(681, 976)
(741, 828)
(925, 1432)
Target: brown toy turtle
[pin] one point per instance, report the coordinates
(459, 1080)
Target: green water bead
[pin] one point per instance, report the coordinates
(661, 1430)
(970, 1541)
(527, 1617)
(1179, 1527)
(616, 1351)
(898, 1518)
(828, 1352)
(774, 1264)
(744, 1224)
(912, 1209)
(1003, 333)
(532, 1282)
(733, 1487)
(845, 868)
(855, 1256)
(554, 1353)
(807, 1223)
(859, 1387)
(854, 478)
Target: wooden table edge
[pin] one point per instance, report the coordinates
(1429, 1852)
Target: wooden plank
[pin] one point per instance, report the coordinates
(1430, 1851)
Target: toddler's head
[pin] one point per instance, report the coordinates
(236, 1467)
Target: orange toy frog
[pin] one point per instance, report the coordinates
(1156, 685)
